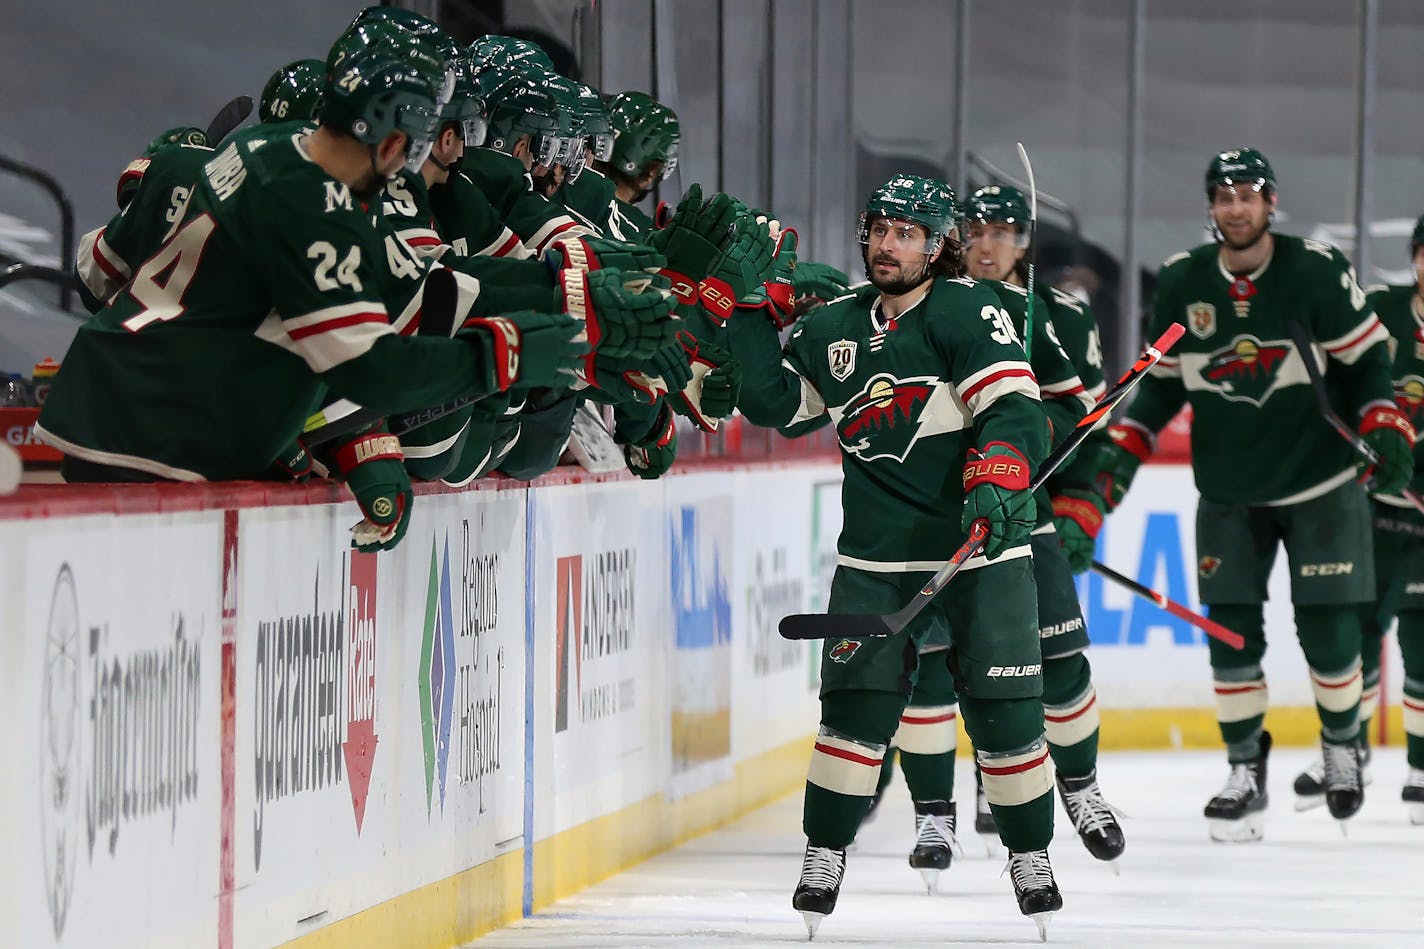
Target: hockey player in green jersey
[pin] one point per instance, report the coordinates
(293, 93)
(233, 352)
(997, 240)
(646, 138)
(923, 375)
(1399, 552)
(1270, 471)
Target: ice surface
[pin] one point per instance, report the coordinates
(1304, 885)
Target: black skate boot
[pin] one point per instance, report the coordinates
(821, 871)
(1035, 888)
(984, 823)
(1310, 783)
(1237, 813)
(1344, 786)
(1093, 818)
(1413, 795)
(935, 843)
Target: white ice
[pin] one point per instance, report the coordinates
(1304, 885)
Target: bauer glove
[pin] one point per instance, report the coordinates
(1388, 431)
(1078, 517)
(694, 238)
(527, 349)
(996, 490)
(716, 383)
(1117, 466)
(372, 465)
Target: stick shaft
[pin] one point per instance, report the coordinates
(1212, 628)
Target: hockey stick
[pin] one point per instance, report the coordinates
(1032, 248)
(866, 625)
(228, 118)
(1211, 628)
(1306, 347)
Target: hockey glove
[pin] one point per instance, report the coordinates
(1078, 517)
(294, 463)
(650, 458)
(1388, 431)
(694, 238)
(716, 383)
(620, 322)
(996, 490)
(372, 466)
(528, 349)
(596, 253)
(1131, 446)
(821, 281)
(745, 262)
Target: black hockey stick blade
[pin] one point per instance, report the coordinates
(228, 118)
(438, 301)
(824, 625)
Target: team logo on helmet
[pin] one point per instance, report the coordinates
(1247, 370)
(1201, 319)
(883, 420)
(843, 650)
(1207, 566)
(840, 355)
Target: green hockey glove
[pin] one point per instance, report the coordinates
(715, 385)
(620, 322)
(746, 262)
(996, 490)
(596, 253)
(1388, 431)
(650, 458)
(1117, 466)
(528, 349)
(694, 238)
(372, 465)
(294, 463)
(821, 281)
(1078, 517)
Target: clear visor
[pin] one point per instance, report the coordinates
(670, 163)
(419, 123)
(574, 166)
(903, 234)
(546, 150)
(571, 151)
(603, 146)
(1002, 235)
(474, 131)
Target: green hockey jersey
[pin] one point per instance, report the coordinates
(909, 398)
(627, 222)
(469, 223)
(590, 199)
(270, 290)
(1402, 312)
(1257, 435)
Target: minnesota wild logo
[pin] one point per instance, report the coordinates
(883, 419)
(1247, 370)
(843, 650)
(1409, 396)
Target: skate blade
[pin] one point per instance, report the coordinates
(993, 847)
(1344, 829)
(813, 923)
(1041, 921)
(1304, 802)
(1246, 830)
(931, 878)
(1113, 865)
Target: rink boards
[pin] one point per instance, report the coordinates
(225, 728)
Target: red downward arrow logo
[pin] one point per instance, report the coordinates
(359, 749)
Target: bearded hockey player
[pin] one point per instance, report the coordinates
(1271, 472)
(1399, 554)
(923, 376)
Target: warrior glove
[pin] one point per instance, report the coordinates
(621, 322)
(996, 490)
(372, 466)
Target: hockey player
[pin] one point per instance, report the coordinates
(922, 373)
(293, 93)
(237, 353)
(1399, 553)
(646, 137)
(1270, 471)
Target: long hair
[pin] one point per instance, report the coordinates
(950, 262)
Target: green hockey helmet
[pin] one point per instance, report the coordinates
(179, 135)
(1000, 204)
(644, 131)
(466, 107)
(293, 93)
(499, 51)
(422, 52)
(927, 202)
(407, 20)
(590, 119)
(374, 94)
(528, 106)
(1240, 166)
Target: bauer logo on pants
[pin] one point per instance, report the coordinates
(843, 651)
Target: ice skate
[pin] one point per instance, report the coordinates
(1413, 795)
(1092, 817)
(984, 824)
(821, 871)
(1035, 888)
(1344, 791)
(1237, 813)
(935, 843)
(1310, 783)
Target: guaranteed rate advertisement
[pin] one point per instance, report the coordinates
(113, 702)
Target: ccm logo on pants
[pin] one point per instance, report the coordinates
(996, 672)
(1326, 569)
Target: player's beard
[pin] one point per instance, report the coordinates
(1253, 237)
(904, 282)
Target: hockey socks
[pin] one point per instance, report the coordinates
(1070, 715)
(1013, 759)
